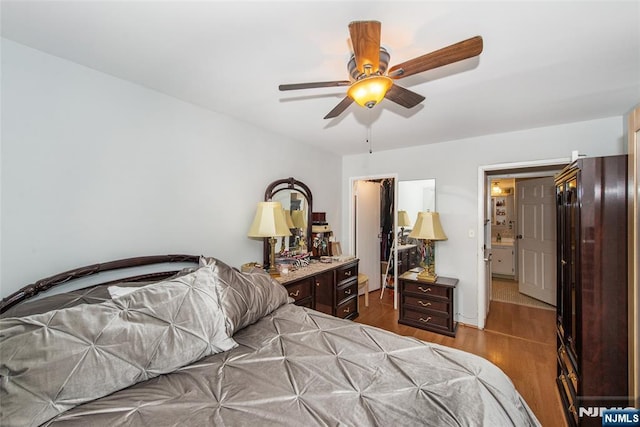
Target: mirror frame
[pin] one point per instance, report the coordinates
(288, 184)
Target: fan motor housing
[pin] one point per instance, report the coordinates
(382, 67)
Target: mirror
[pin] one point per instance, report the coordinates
(416, 196)
(413, 197)
(297, 203)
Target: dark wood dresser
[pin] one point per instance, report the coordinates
(407, 258)
(331, 288)
(591, 203)
(428, 306)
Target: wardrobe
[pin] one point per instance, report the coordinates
(592, 353)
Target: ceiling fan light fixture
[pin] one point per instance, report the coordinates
(369, 91)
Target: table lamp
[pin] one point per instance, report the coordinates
(270, 222)
(403, 221)
(287, 217)
(428, 227)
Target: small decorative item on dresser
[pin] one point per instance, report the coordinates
(428, 227)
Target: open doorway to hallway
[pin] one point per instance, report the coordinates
(523, 241)
(519, 236)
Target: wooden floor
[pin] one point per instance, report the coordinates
(520, 340)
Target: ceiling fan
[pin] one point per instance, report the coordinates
(370, 81)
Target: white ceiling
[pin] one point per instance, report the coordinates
(544, 63)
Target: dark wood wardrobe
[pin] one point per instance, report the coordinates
(591, 201)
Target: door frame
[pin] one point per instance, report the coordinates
(352, 225)
(485, 173)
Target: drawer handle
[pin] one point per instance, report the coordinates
(346, 310)
(348, 291)
(425, 320)
(427, 304)
(347, 273)
(317, 283)
(573, 376)
(296, 294)
(424, 290)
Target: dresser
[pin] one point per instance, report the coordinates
(331, 288)
(428, 306)
(592, 352)
(407, 258)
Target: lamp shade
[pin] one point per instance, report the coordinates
(428, 227)
(269, 221)
(370, 90)
(403, 219)
(299, 218)
(287, 217)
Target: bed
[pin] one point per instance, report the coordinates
(208, 345)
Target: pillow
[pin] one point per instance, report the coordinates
(120, 291)
(54, 361)
(245, 297)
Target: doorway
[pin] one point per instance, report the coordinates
(516, 171)
(372, 219)
(523, 242)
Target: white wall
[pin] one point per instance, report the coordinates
(94, 168)
(454, 165)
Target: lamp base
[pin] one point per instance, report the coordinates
(273, 273)
(425, 276)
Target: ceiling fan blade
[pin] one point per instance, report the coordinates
(404, 97)
(447, 55)
(365, 38)
(338, 109)
(296, 86)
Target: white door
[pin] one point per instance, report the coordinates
(537, 238)
(488, 208)
(367, 226)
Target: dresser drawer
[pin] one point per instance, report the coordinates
(428, 289)
(346, 291)
(300, 290)
(427, 304)
(346, 273)
(348, 308)
(426, 319)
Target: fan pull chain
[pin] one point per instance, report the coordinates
(368, 140)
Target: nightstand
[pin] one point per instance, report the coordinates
(427, 306)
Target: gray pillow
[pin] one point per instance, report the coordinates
(245, 297)
(53, 361)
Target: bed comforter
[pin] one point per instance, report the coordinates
(299, 367)
(216, 347)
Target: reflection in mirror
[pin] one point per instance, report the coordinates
(295, 210)
(413, 197)
(297, 204)
(416, 196)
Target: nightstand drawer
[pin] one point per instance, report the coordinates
(428, 289)
(347, 291)
(426, 319)
(427, 304)
(300, 290)
(348, 308)
(347, 273)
